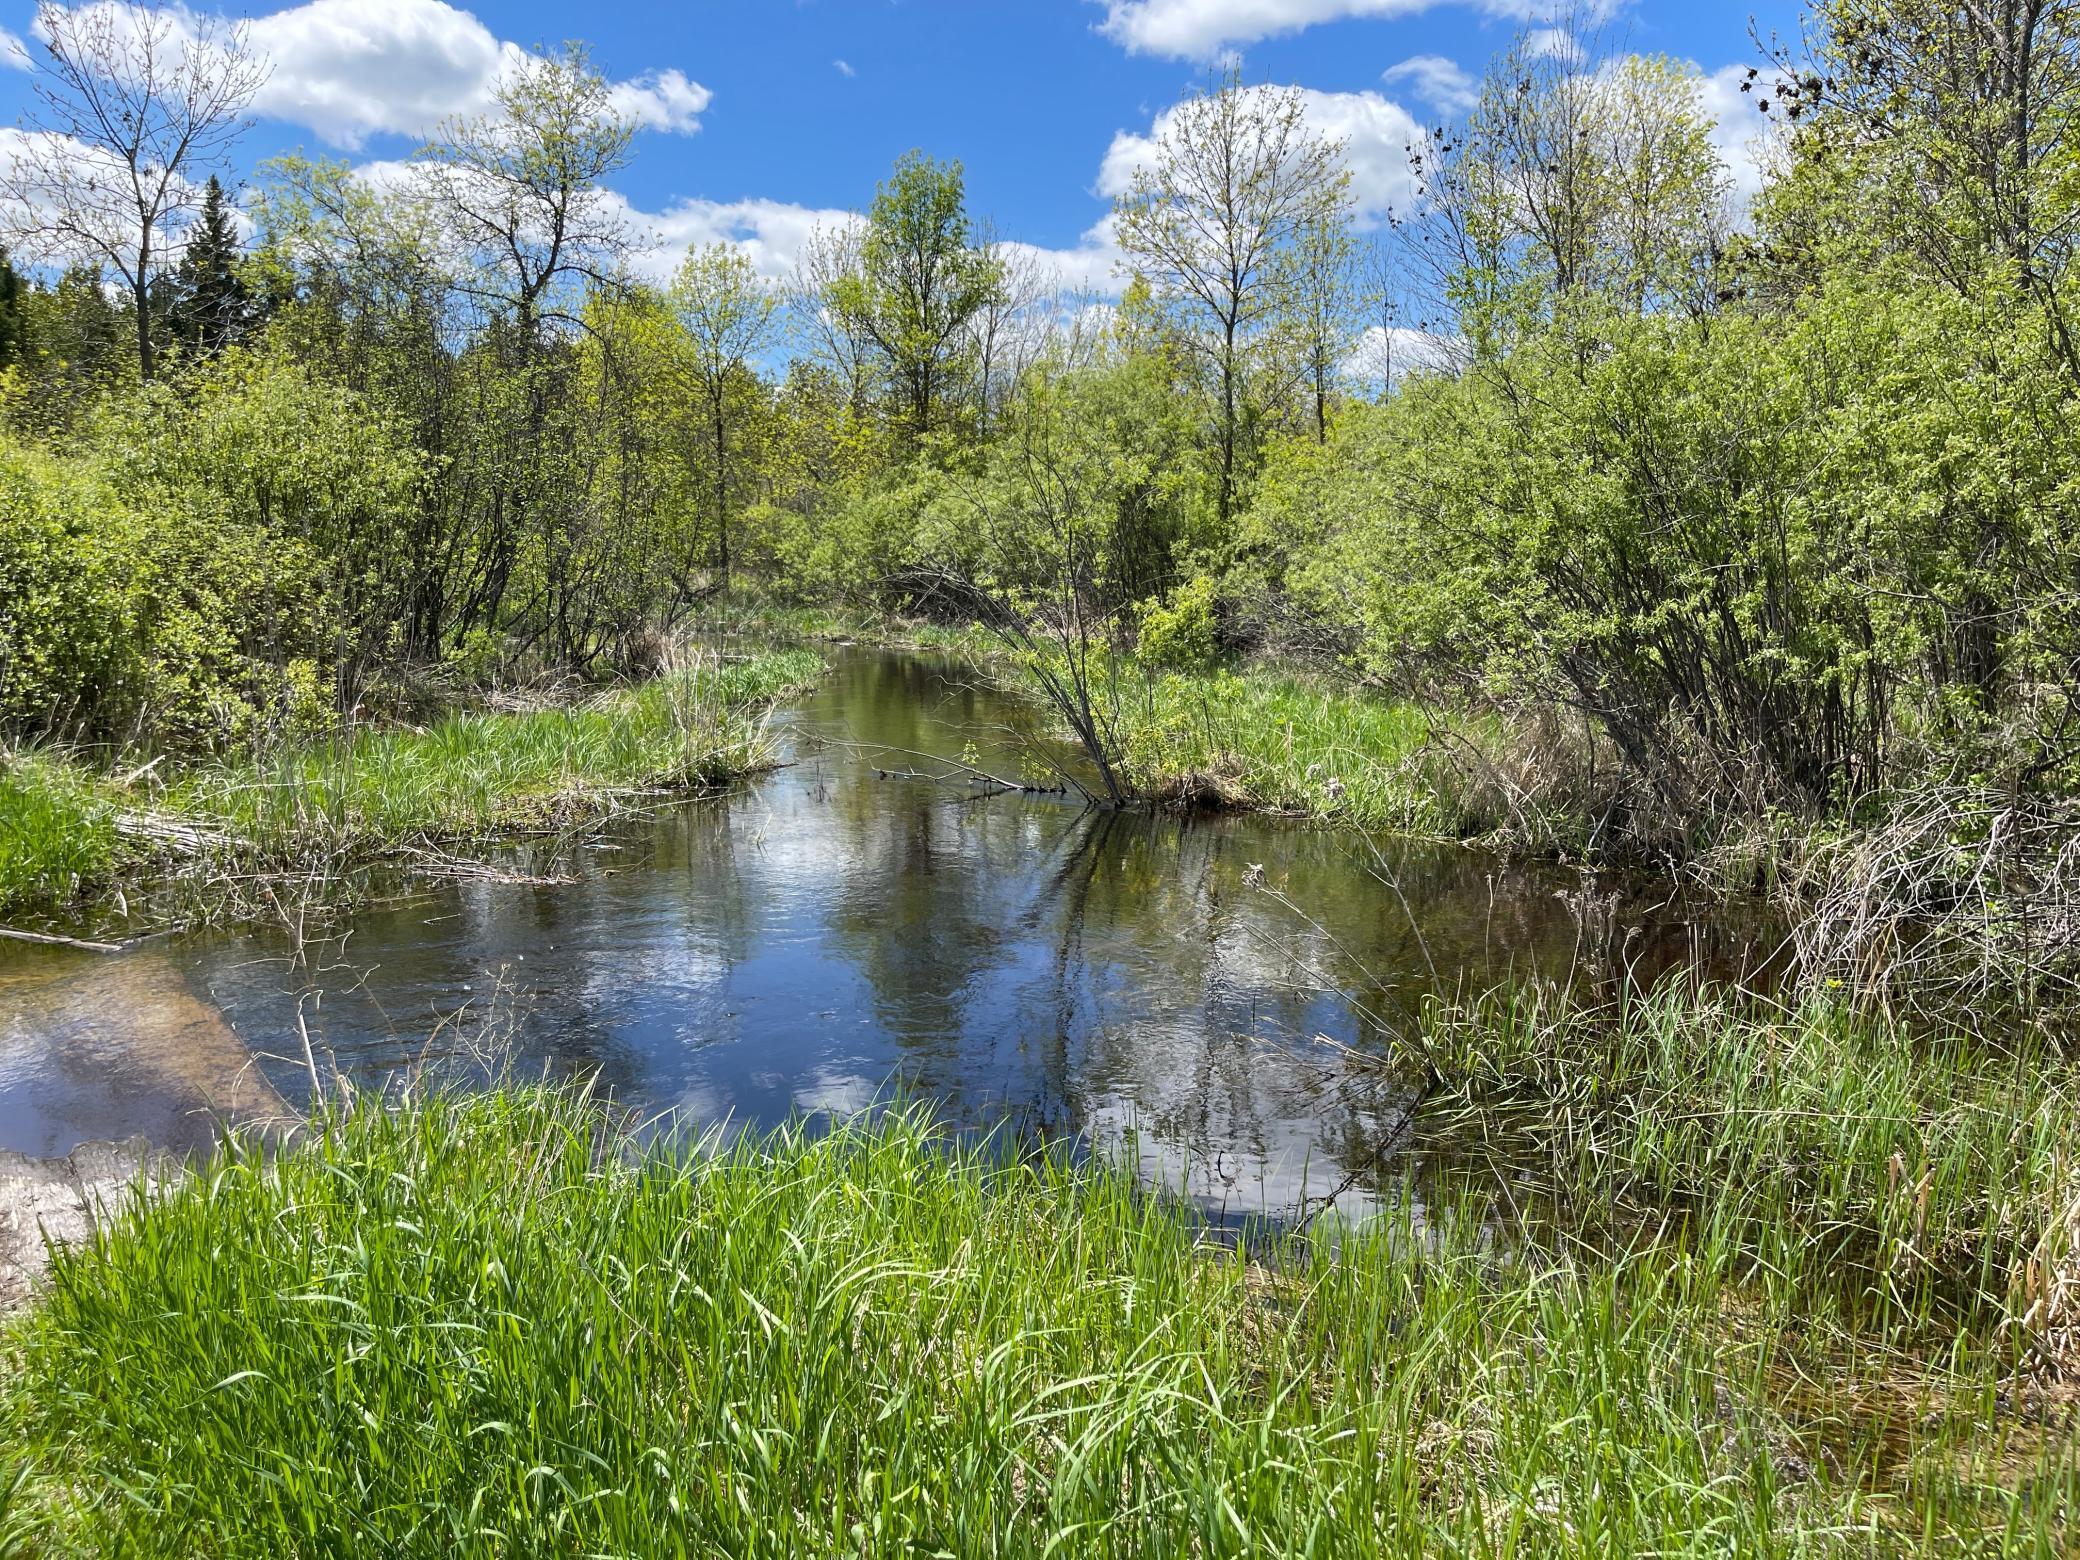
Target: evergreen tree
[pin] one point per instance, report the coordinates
(209, 308)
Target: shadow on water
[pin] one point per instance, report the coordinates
(846, 927)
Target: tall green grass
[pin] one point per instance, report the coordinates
(1875, 1175)
(479, 774)
(1275, 741)
(382, 791)
(57, 834)
(486, 1325)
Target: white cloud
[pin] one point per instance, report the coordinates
(843, 68)
(1198, 29)
(1376, 133)
(1382, 353)
(14, 54)
(1555, 43)
(1437, 81)
(770, 233)
(1092, 266)
(57, 217)
(1201, 29)
(349, 69)
(663, 100)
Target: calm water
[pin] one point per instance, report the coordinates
(844, 928)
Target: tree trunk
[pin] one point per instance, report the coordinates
(142, 293)
(721, 496)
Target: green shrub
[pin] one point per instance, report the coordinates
(1183, 634)
(69, 570)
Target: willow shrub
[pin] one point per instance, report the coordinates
(1760, 551)
(153, 601)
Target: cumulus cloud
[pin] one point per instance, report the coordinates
(1201, 29)
(1437, 81)
(352, 68)
(64, 203)
(1376, 133)
(1555, 43)
(1093, 266)
(14, 54)
(663, 100)
(349, 69)
(1381, 354)
(769, 233)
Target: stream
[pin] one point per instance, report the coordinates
(862, 923)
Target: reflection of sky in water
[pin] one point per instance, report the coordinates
(826, 936)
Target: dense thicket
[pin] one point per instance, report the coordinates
(1774, 492)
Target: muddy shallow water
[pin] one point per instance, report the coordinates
(844, 928)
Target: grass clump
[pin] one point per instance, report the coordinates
(1891, 1180)
(1285, 743)
(377, 792)
(479, 774)
(58, 839)
(481, 1325)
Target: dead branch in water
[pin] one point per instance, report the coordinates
(54, 940)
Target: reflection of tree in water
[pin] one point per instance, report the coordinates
(1005, 956)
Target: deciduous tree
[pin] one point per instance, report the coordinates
(131, 103)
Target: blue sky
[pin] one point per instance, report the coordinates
(763, 115)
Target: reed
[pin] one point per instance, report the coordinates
(1873, 1175)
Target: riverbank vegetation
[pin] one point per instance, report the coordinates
(316, 806)
(474, 1323)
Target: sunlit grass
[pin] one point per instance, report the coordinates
(1775, 1297)
(477, 774)
(1900, 1177)
(378, 791)
(1271, 740)
(481, 1326)
(57, 833)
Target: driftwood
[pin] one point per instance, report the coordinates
(54, 940)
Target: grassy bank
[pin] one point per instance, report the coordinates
(68, 836)
(1264, 737)
(483, 1325)
(1879, 1178)
(1273, 740)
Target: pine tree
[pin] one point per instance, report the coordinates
(209, 308)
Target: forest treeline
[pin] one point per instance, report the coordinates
(1767, 498)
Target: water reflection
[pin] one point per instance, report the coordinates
(830, 934)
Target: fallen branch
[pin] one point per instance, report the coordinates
(54, 940)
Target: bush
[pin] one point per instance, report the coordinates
(68, 597)
(202, 572)
(1183, 635)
